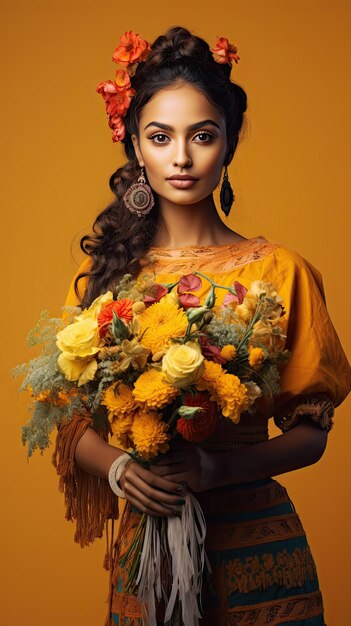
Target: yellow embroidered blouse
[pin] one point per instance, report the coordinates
(317, 377)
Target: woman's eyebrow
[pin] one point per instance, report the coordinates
(192, 127)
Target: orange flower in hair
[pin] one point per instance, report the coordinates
(118, 128)
(132, 49)
(122, 80)
(225, 52)
(117, 94)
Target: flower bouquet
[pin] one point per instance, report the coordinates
(155, 363)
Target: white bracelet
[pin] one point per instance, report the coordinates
(115, 473)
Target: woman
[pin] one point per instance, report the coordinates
(179, 117)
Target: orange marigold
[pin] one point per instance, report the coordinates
(118, 398)
(203, 423)
(152, 390)
(233, 397)
(121, 428)
(228, 352)
(256, 357)
(213, 372)
(149, 434)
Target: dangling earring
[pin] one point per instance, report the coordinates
(227, 196)
(138, 197)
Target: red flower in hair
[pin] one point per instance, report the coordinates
(225, 52)
(122, 80)
(132, 49)
(202, 425)
(119, 103)
(119, 129)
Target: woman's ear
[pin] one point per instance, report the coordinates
(137, 150)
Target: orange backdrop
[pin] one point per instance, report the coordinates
(290, 175)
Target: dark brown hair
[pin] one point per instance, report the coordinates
(120, 239)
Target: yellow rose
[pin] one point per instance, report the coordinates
(183, 364)
(77, 368)
(79, 343)
(95, 308)
(79, 339)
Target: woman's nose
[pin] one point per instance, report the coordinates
(182, 156)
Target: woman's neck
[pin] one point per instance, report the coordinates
(192, 225)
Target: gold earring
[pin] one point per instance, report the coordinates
(138, 197)
(227, 196)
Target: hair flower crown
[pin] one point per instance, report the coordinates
(132, 50)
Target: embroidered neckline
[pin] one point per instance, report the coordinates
(220, 258)
(169, 251)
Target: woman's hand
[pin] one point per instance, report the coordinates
(187, 462)
(152, 494)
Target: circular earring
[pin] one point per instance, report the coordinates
(138, 197)
(227, 196)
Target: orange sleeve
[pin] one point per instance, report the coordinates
(317, 377)
(72, 299)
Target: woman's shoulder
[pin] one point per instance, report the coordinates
(292, 258)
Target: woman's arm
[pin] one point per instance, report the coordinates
(151, 494)
(301, 446)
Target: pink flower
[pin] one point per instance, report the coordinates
(225, 52)
(230, 297)
(189, 282)
(187, 300)
(156, 292)
(211, 352)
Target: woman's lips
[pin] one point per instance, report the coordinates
(181, 184)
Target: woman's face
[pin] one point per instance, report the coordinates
(181, 133)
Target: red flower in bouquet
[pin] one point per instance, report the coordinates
(202, 425)
(123, 310)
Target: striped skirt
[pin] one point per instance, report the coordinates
(263, 572)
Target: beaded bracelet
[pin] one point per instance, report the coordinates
(115, 473)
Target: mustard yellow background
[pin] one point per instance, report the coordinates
(291, 178)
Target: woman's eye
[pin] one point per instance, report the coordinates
(207, 136)
(158, 135)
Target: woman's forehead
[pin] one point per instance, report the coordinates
(181, 106)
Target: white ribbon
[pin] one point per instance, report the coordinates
(185, 544)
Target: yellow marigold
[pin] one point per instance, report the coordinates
(149, 434)
(228, 352)
(256, 357)
(233, 396)
(119, 399)
(152, 390)
(162, 321)
(210, 377)
(121, 428)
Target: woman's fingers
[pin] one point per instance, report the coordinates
(151, 493)
(148, 505)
